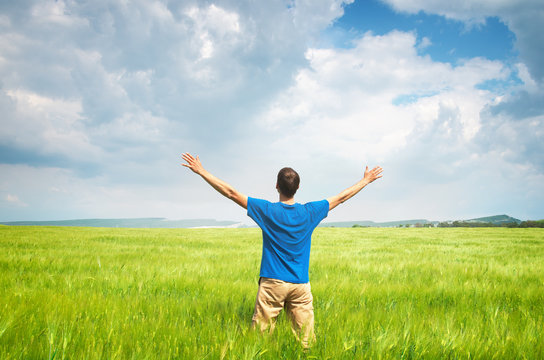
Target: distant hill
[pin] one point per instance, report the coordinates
(133, 223)
(496, 220)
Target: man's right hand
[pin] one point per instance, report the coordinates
(193, 163)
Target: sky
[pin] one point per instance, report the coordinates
(98, 100)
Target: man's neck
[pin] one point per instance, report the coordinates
(286, 200)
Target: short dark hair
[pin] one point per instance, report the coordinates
(288, 181)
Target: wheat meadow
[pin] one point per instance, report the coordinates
(379, 293)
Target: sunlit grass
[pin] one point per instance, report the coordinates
(91, 293)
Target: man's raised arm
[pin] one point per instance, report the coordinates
(218, 184)
(369, 177)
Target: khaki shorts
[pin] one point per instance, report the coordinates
(274, 295)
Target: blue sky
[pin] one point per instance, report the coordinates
(99, 99)
(450, 40)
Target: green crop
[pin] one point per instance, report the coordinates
(98, 293)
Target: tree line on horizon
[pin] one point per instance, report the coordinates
(471, 224)
(523, 224)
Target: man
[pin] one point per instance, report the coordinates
(287, 228)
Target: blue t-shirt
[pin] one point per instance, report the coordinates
(287, 236)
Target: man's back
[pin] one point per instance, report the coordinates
(287, 231)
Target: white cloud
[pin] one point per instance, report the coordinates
(14, 200)
(46, 125)
(54, 12)
(528, 83)
(424, 43)
(311, 16)
(346, 101)
(523, 17)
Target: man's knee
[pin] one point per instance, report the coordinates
(263, 324)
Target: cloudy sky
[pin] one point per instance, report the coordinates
(98, 99)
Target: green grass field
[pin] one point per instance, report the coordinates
(96, 293)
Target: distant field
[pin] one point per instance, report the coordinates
(98, 293)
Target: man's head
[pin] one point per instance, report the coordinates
(288, 181)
